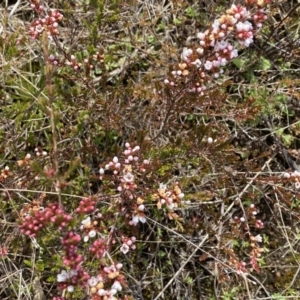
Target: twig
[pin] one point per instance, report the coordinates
(182, 267)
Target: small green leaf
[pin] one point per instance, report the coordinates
(161, 254)
(238, 62)
(28, 263)
(264, 64)
(191, 12)
(176, 21)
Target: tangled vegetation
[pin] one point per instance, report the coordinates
(148, 149)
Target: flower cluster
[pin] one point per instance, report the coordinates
(87, 65)
(3, 251)
(86, 205)
(39, 152)
(251, 214)
(37, 6)
(73, 63)
(138, 214)
(108, 283)
(47, 23)
(25, 161)
(241, 267)
(76, 276)
(98, 248)
(69, 279)
(259, 3)
(70, 243)
(130, 157)
(293, 177)
(53, 214)
(167, 197)
(128, 243)
(217, 46)
(255, 253)
(5, 173)
(125, 170)
(89, 228)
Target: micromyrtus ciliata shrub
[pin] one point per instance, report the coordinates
(127, 208)
(218, 45)
(98, 235)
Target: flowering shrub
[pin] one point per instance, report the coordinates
(191, 200)
(47, 23)
(203, 63)
(128, 208)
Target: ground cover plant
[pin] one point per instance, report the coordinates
(148, 150)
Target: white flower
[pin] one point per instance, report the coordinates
(93, 281)
(141, 207)
(248, 41)
(216, 25)
(162, 186)
(200, 51)
(223, 61)
(124, 248)
(186, 52)
(181, 195)
(101, 292)
(63, 276)
(92, 233)
(70, 288)
(221, 45)
(257, 238)
(208, 65)
(39, 28)
(210, 140)
(136, 148)
(296, 174)
(136, 219)
(197, 63)
(86, 222)
(73, 273)
(117, 286)
(170, 206)
(244, 26)
(111, 293)
(128, 177)
(142, 219)
(234, 53)
(201, 35)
